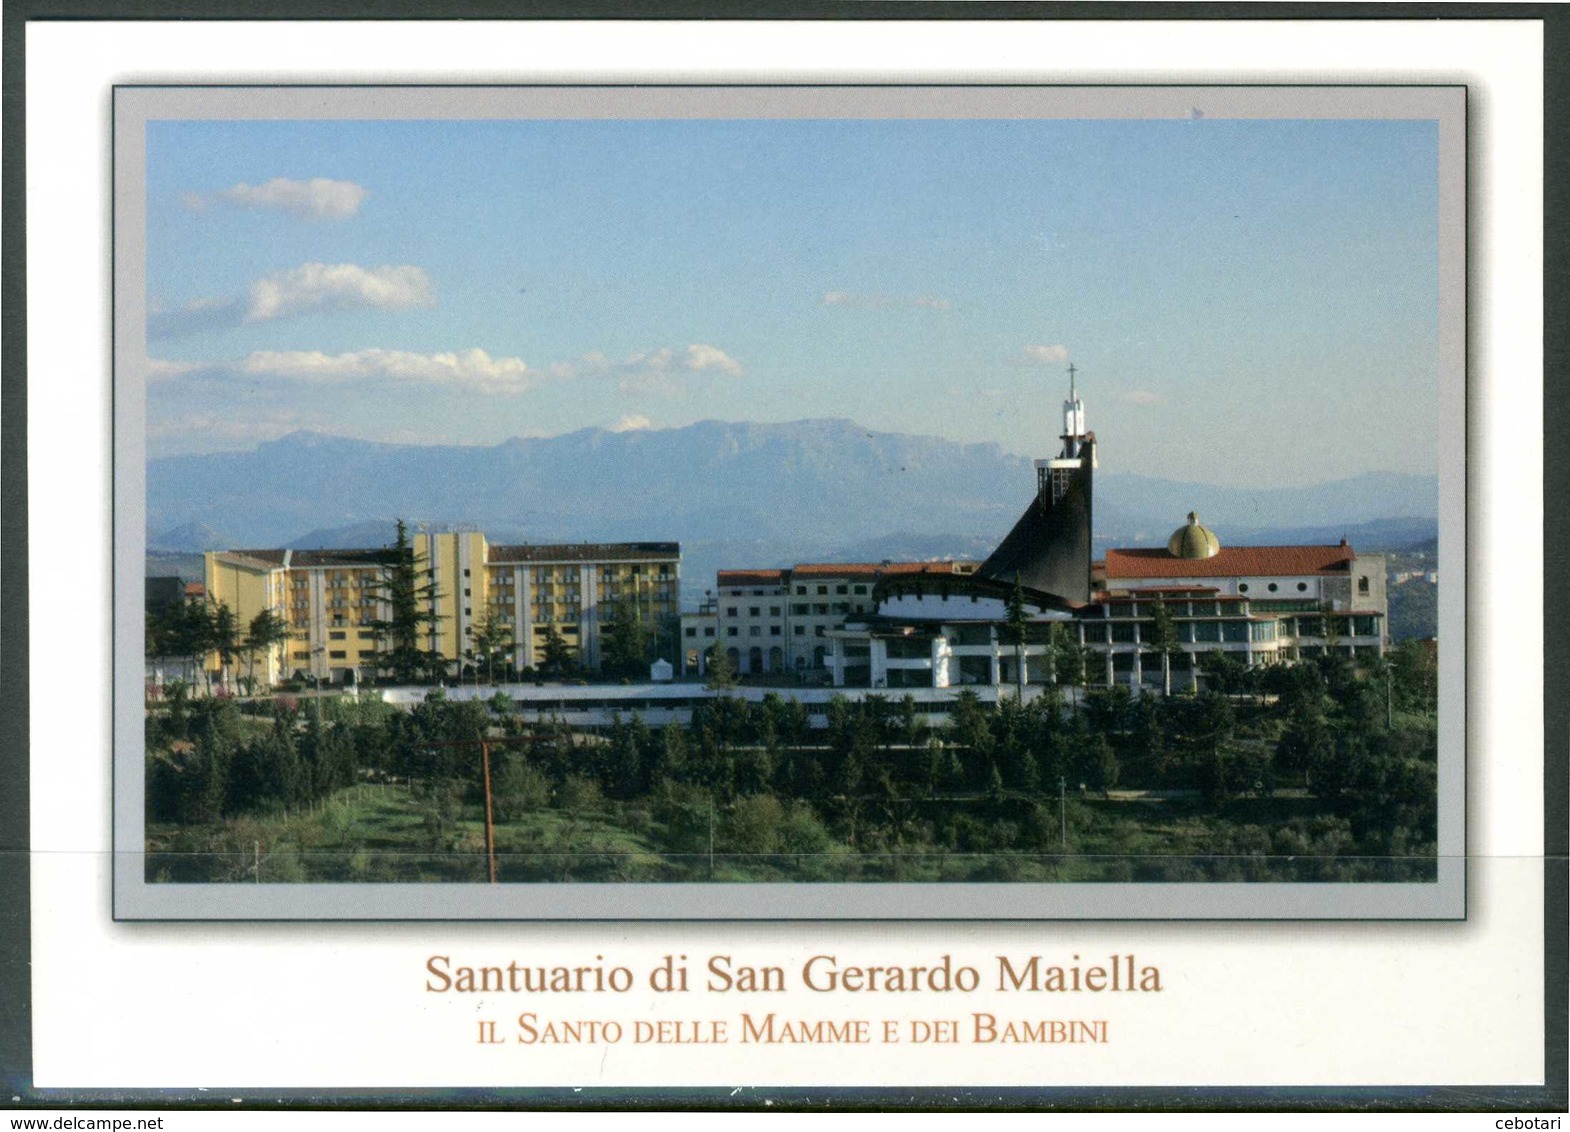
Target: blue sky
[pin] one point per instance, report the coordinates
(1246, 301)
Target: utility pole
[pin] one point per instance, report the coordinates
(490, 826)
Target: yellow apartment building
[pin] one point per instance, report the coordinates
(332, 599)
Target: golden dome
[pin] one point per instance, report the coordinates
(1193, 540)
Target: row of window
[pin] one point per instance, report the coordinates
(800, 609)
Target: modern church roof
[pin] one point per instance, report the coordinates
(1048, 551)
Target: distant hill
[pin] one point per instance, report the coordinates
(733, 494)
(188, 538)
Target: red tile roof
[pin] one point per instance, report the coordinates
(961, 568)
(749, 577)
(1231, 561)
(836, 570)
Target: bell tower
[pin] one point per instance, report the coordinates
(1054, 476)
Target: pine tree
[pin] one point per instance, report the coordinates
(558, 659)
(626, 648)
(1163, 639)
(1016, 629)
(405, 586)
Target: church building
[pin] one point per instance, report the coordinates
(1142, 618)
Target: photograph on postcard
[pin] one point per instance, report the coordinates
(824, 502)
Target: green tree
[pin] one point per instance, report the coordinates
(1016, 630)
(181, 629)
(225, 639)
(626, 642)
(406, 586)
(558, 659)
(493, 642)
(1163, 640)
(266, 632)
(721, 672)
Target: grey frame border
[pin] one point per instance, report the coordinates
(135, 899)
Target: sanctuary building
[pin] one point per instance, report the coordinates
(1142, 617)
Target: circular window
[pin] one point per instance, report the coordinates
(1242, 587)
(1271, 587)
(1302, 587)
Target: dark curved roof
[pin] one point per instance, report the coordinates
(1048, 550)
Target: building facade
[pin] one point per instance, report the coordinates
(780, 621)
(333, 600)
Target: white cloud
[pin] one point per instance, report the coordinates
(862, 300)
(632, 422)
(471, 370)
(311, 288)
(1142, 397)
(316, 199)
(660, 371)
(315, 287)
(878, 300)
(1054, 353)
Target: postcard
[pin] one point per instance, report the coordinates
(674, 577)
(441, 625)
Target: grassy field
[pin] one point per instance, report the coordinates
(391, 833)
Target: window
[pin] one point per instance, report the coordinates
(1302, 587)
(338, 654)
(801, 589)
(466, 611)
(466, 574)
(1272, 587)
(1242, 587)
(731, 631)
(730, 611)
(801, 630)
(754, 631)
(336, 636)
(774, 630)
(1362, 584)
(860, 589)
(798, 608)
(692, 630)
(819, 631)
(466, 590)
(823, 589)
(774, 611)
(841, 589)
(708, 631)
(753, 611)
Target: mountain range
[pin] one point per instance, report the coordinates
(733, 494)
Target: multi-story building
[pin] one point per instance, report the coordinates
(779, 621)
(332, 600)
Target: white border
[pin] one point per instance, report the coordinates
(1270, 1004)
